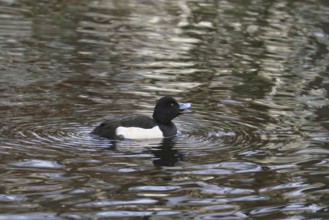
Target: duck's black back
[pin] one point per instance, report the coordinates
(108, 128)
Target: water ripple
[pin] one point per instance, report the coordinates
(55, 133)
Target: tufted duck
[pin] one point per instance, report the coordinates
(144, 127)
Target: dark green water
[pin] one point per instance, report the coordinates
(255, 146)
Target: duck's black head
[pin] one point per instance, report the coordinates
(167, 108)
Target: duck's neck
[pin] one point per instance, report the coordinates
(168, 130)
(162, 120)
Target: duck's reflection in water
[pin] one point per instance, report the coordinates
(165, 154)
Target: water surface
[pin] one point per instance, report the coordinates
(255, 146)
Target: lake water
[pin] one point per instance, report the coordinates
(255, 146)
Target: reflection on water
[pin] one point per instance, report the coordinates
(255, 145)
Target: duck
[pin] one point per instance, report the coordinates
(138, 126)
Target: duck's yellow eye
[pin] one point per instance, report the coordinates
(172, 104)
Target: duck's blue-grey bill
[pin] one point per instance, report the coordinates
(183, 106)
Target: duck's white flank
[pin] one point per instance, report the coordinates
(139, 133)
